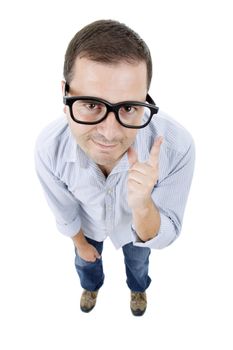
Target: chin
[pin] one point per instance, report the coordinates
(105, 160)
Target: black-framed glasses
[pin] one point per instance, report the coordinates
(90, 110)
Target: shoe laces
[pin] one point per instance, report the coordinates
(90, 295)
(138, 297)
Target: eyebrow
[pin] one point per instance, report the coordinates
(98, 98)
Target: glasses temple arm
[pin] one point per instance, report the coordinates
(150, 99)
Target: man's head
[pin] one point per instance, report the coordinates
(106, 60)
(109, 42)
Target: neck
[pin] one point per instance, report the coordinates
(106, 170)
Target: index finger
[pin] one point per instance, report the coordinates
(154, 152)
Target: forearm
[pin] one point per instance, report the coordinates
(146, 221)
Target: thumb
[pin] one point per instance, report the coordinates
(132, 156)
(97, 255)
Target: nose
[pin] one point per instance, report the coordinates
(110, 127)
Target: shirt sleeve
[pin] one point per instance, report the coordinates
(63, 204)
(170, 196)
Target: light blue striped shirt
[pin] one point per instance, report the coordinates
(80, 196)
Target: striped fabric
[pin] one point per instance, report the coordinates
(80, 196)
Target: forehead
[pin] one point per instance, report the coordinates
(113, 82)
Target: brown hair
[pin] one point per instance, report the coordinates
(109, 42)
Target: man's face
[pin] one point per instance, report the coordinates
(106, 142)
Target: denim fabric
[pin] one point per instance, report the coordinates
(136, 265)
(91, 274)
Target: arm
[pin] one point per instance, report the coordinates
(146, 221)
(169, 196)
(141, 180)
(85, 250)
(61, 201)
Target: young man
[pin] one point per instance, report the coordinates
(114, 166)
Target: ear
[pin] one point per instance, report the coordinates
(63, 87)
(63, 93)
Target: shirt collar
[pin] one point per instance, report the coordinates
(75, 153)
(71, 148)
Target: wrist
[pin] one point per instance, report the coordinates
(80, 240)
(143, 208)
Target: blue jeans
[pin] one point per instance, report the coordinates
(136, 266)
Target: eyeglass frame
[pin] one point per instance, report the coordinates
(110, 107)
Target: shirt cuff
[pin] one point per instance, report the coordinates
(166, 235)
(71, 229)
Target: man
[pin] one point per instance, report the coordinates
(114, 166)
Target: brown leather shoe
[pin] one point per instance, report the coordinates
(138, 303)
(88, 300)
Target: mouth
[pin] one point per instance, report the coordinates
(104, 146)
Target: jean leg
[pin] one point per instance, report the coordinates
(136, 266)
(90, 273)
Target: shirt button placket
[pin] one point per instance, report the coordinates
(109, 210)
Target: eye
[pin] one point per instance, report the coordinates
(129, 109)
(92, 106)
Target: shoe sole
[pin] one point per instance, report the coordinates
(138, 312)
(83, 309)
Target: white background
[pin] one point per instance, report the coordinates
(190, 298)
